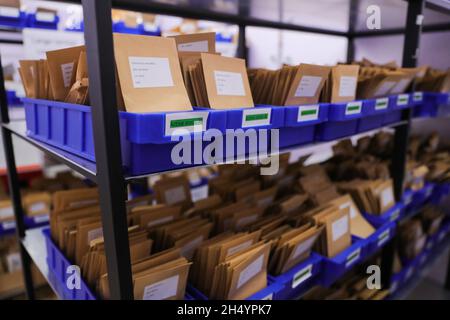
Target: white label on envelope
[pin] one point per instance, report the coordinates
(174, 195)
(304, 246)
(353, 257)
(387, 197)
(229, 83)
(188, 249)
(384, 88)
(401, 86)
(199, 193)
(381, 104)
(14, 262)
(162, 290)
(150, 72)
(185, 122)
(308, 113)
(383, 237)
(347, 86)
(402, 99)
(339, 228)
(38, 206)
(45, 16)
(256, 117)
(41, 218)
(252, 270)
(9, 225)
(302, 275)
(6, 212)
(239, 247)
(196, 46)
(159, 221)
(9, 12)
(350, 207)
(94, 234)
(67, 72)
(353, 108)
(308, 86)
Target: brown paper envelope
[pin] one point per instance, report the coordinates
(155, 260)
(242, 220)
(191, 242)
(140, 250)
(86, 233)
(226, 82)
(196, 42)
(337, 226)
(149, 74)
(307, 84)
(344, 82)
(173, 191)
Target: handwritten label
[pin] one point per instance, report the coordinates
(162, 290)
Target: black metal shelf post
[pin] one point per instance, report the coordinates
(110, 178)
(398, 166)
(14, 188)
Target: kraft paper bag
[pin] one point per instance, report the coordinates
(196, 42)
(79, 91)
(344, 79)
(307, 84)
(226, 82)
(149, 74)
(62, 66)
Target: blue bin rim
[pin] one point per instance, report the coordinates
(289, 111)
(341, 257)
(314, 259)
(338, 105)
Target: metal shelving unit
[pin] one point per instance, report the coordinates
(107, 172)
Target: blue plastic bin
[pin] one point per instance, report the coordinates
(145, 139)
(443, 231)
(252, 122)
(12, 17)
(300, 123)
(13, 99)
(121, 27)
(58, 265)
(374, 111)
(342, 121)
(333, 268)
(40, 20)
(380, 238)
(299, 279)
(8, 227)
(432, 105)
(268, 293)
(391, 215)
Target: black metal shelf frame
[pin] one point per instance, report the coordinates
(108, 174)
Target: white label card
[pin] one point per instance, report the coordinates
(381, 104)
(9, 12)
(308, 113)
(353, 257)
(353, 108)
(384, 88)
(339, 228)
(268, 297)
(302, 275)
(383, 237)
(41, 218)
(308, 86)
(252, 270)
(180, 123)
(387, 197)
(174, 195)
(6, 212)
(14, 262)
(45, 16)
(402, 99)
(8, 225)
(347, 86)
(418, 96)
(162, 290)
(352, 209)
(395, 215)
(67, 72)
(94, 234)
(239, 247)
(256, 117)
(150, 72)
(199, 193)
(196, 46)
(229, 83)
(38, 206)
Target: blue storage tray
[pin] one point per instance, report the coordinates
(146, 147)
(261, 118)
(391, 215)
(268, 293)
(443, 231)
(299, 279)
(13, 21)
(300, 123)
(12, 99)
(432, 105)
(380, 238)
(342, 121)
(400, 101)
(121, 27)
(374, 114)
(334, 268)
(58, 264)
(9, 227)
(32, 22)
